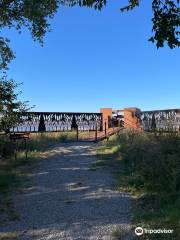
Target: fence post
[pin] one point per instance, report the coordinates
(77, 133)
(96, 134)
(26, 147)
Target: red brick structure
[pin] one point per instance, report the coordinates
(130, 117)
(107, 115)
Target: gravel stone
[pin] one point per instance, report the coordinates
(67, 201)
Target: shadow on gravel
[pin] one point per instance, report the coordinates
(68, 201)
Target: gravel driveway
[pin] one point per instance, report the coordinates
(69, 201)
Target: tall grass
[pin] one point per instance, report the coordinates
(150, 170)
(40, 141)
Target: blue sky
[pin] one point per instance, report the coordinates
(96, 59)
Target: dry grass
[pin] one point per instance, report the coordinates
(8, 236)
(149, 169)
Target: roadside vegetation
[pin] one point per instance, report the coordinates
(148, 166)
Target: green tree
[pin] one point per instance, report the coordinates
(35, 15)
(10, 106)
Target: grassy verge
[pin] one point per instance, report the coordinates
(148, 167)
(13, 177)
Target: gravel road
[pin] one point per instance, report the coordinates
(69, 201)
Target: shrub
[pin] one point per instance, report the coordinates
(153, 159)
(6, 148)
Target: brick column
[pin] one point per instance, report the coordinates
(130, 118)
(106, 115)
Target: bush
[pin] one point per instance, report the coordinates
(6, 147)
(149, 168)
(153, 159)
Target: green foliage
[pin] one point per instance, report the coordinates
(153, 159)
(35, 16)
(96, 4)
(6, 180)
(166, 22)
(6, 54)
(6, 147)
(150, 170)
(31, 14)
(166, 18)
(10, 107)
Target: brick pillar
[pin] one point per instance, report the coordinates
(106, 115)
(130, 118)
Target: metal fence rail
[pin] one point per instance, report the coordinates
(58, 121)
(160, 120)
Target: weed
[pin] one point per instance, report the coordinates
(149, 168)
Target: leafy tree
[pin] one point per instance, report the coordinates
(10, 106)
(35, 15)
